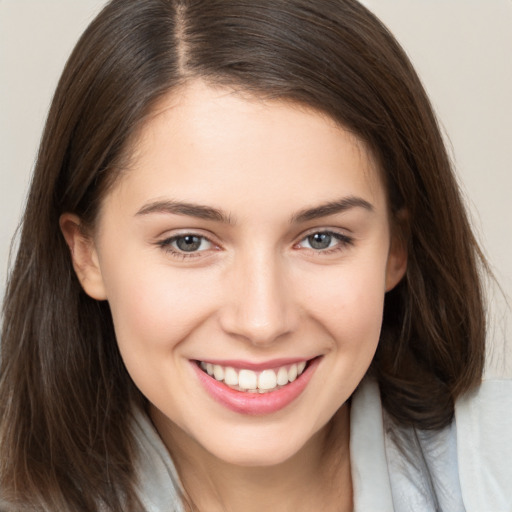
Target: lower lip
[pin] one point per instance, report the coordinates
(256, 403)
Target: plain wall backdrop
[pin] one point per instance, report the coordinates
(461, 48)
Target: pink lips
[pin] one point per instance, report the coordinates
(255, 403)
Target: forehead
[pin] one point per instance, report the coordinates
(210, 142)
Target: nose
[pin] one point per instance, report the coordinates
(259, 306)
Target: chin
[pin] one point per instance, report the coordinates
(258, 456)
(262, 448)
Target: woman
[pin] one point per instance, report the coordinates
(242, 221)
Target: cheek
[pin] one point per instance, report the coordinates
(154, 313)
(154, 308)
(350, 305)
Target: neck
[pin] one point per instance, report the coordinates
(315, 478)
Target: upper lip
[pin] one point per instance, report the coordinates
(249, 365)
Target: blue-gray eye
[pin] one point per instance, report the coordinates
(189, 243)
(323, 240)
(320, 240)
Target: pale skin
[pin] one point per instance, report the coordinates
(294, 255)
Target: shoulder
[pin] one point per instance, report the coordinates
(463, 467)
(483, 421)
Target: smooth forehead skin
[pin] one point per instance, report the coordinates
(254, 181)
(194, 118)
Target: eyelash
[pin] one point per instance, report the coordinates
(167, 246)
(344, 241)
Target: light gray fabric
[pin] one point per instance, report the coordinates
(424, 469)
(400, 469)
(158, 481)
(466, 467)
(370, 476)
(484, 429)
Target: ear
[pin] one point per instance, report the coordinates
(83, 255)
(397, 257)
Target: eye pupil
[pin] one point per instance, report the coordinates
(188, 243)
(320, 240)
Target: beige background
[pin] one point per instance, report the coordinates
(461, 48)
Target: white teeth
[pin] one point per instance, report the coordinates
(247, 379)
(231, 377)
(218, 372)
(251, 381)
(267, 379)
(282, 376)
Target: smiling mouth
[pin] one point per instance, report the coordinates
(250, 381)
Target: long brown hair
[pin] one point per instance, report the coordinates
(65, 396)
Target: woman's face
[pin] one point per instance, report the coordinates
(250, 240)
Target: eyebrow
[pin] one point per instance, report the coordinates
(331, 208)
(209, 213)
(188, 209)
